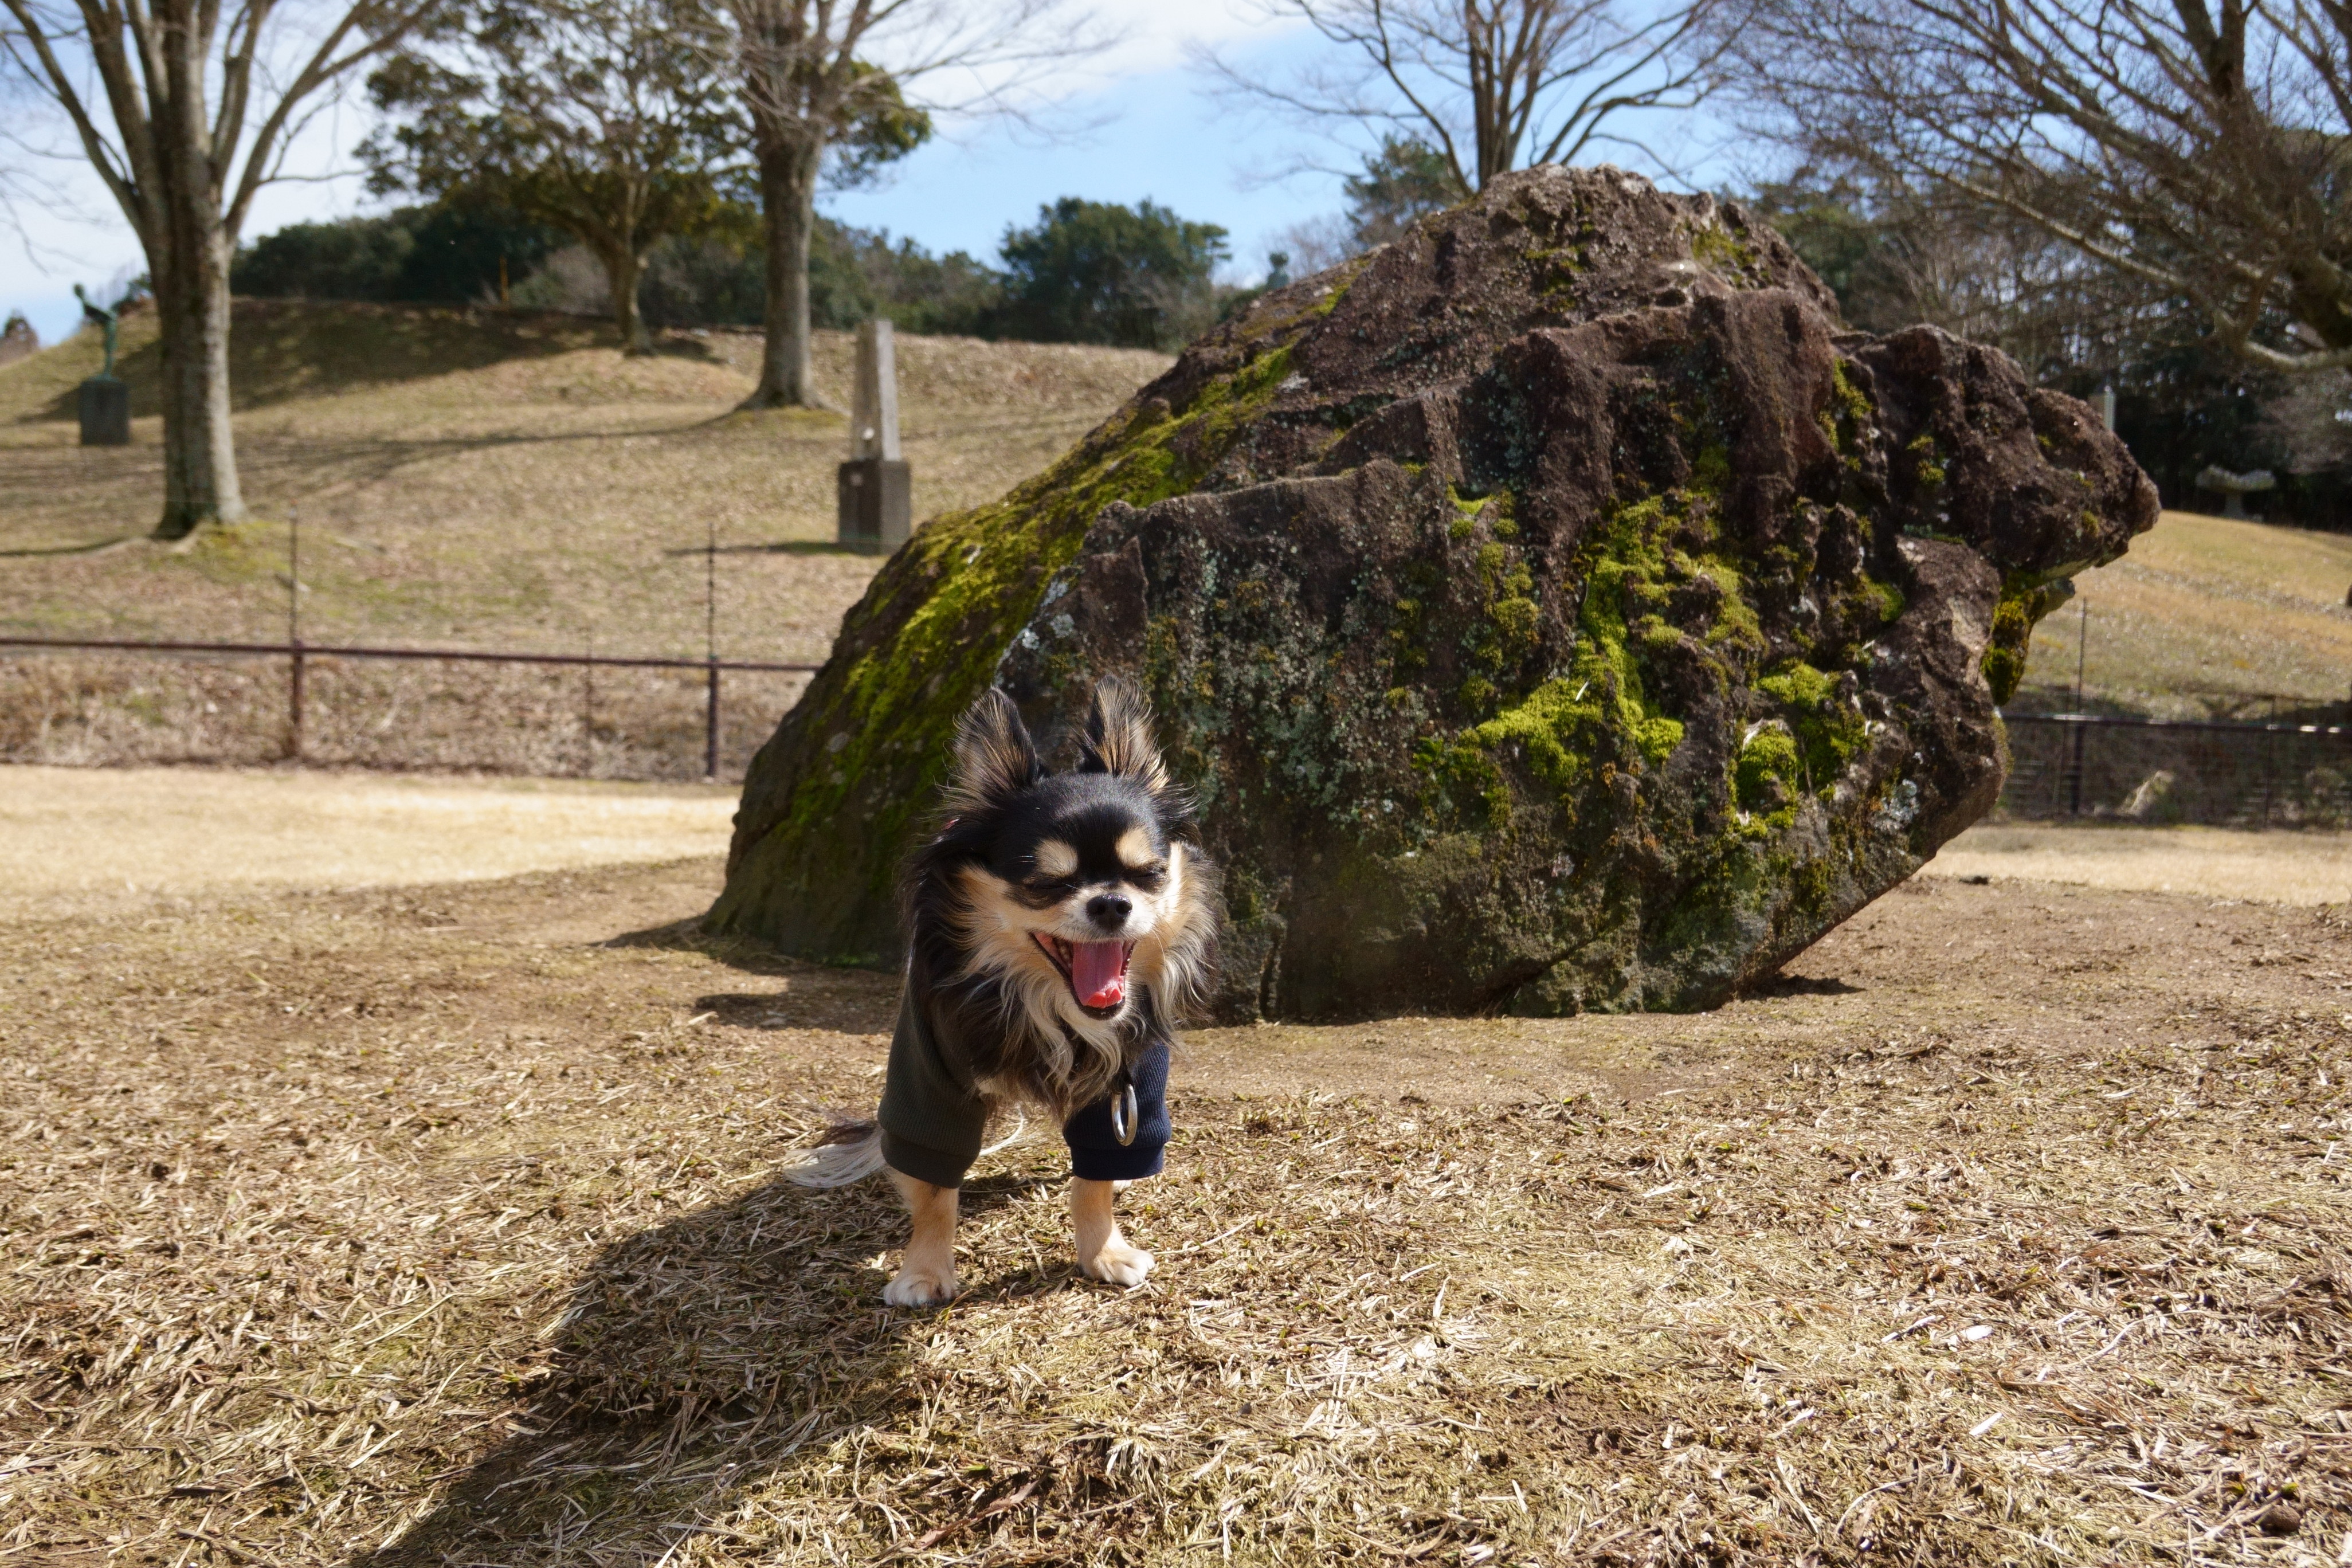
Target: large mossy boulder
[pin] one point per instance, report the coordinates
(1556, 609)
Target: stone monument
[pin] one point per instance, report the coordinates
(876, 500)
(17, 339)
(105, 398)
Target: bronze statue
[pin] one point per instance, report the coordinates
(109, 319)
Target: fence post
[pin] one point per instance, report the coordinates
(2075, 800)
(711, 730)
(294, 709)
(294, 632)
(2270, 776)
(711, 644)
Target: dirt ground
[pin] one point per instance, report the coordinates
(442, 1223)
(2291, 867)
(90, 841)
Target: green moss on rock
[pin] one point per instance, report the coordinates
(2024, 601)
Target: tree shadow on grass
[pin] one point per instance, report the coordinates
(694, 1361)
(282, 349)
(780, 547)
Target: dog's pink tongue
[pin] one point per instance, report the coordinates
(1099, 973)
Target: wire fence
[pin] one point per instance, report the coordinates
(219, 710)
(2215, 773)
(514, 715)
(626, 717)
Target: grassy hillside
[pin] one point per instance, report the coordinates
(508, 479)
(283, 349)
(2206, 618)
(505, 482)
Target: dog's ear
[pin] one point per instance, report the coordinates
(1118, 736)
(994, 760)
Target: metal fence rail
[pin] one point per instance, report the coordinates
(297, 653)
(2207, 770)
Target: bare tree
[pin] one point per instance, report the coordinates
(861, 80)
(1898, 255)
(1490, 85)
(2193, 150)
(200, 102)
(2311, 423)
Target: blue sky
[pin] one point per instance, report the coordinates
(1169, 140)
(1150, 128)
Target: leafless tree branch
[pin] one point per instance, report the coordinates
(2199, 147)
(1490, 84)
(194, 122)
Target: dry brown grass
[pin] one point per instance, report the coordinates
(432, 1227)
(484, 482)
(2207, 618)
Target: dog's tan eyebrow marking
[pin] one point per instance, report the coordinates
(1134, 850)
(1055, 859)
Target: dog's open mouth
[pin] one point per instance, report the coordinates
(1096, 970)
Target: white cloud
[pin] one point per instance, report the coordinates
(1161, 36)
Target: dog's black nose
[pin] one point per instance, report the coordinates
(1110, 910)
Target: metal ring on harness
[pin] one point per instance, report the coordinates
(1123, 1115)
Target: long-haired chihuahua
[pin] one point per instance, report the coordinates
(1059, 926)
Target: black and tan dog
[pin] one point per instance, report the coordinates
(1059, 926)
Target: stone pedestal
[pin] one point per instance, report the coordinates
(876, 500)
(105, 412)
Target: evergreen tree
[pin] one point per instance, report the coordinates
(599, 118)
(1097, 273)
(1406, 180)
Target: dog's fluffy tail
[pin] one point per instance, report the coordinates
(849, 1152)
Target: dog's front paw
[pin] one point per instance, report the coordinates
(918, 1287)
(1116, 1263)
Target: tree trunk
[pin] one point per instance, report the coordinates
(200, 479)
(623, 270)
(788, 170)
(189, 271)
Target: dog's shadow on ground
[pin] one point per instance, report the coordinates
(1799, 985)
(695, 1361)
